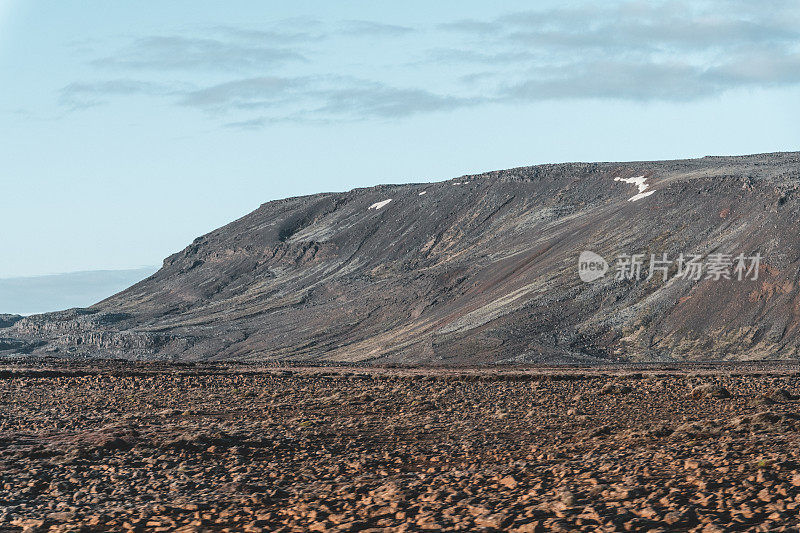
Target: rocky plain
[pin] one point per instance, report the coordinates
(428, 357)
(201, 447)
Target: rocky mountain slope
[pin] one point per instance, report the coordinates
(478, 269)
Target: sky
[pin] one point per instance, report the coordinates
(127, 129)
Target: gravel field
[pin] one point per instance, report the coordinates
(154, 447)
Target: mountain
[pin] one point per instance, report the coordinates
(479, 269)
(36, 294)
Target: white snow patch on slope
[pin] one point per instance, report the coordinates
(423, 192)
(641, 184)
(378, 205)
(640, 196)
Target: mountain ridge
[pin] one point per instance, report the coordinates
(477, 269)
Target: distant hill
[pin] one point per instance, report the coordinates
(478, 269)
(41, 294)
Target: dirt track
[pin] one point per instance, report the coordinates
(163, 448)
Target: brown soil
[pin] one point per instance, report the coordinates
(163, 448)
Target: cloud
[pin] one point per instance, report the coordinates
(471, 26)
(85, 95)
(642, 26)
(321, 98)
(375, 100)
(366, 28)
(617, 80)
(185, 53)
(295, 31)
(759, 69)
(455, 55)
(250, 124)
(669, 51)
(236, 48)
(246, 93)
(253, 76)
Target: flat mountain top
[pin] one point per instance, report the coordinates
(478, 269)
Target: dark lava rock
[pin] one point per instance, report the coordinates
(8, 320)
(480, 269)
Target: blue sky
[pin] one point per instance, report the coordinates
(129, 128)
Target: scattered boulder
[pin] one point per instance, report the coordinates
(710, 390)
(615, 388)
(92, 451)
(779, 395)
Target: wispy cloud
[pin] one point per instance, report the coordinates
(375, 100)
(253, 76)
(672, 51)
(777, 68)
(185, 53)
(618, 80)
(477, 57)
(84, 95)
(244, 93)
(367, 28)
(288, 32)
(642, 26)
(317, 98)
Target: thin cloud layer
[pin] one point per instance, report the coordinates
(85, 95)
(184, 53)
(364, 28)
(316, 99)
(307, 70)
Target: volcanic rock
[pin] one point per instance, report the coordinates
(480, 269)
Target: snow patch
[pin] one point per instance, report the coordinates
(460, 182)
(641, 184)
(378, 205)
(423, 192)
(640, 196)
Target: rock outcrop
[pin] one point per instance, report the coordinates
(480, 269)
(9, 320)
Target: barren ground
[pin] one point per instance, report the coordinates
(144, 447)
